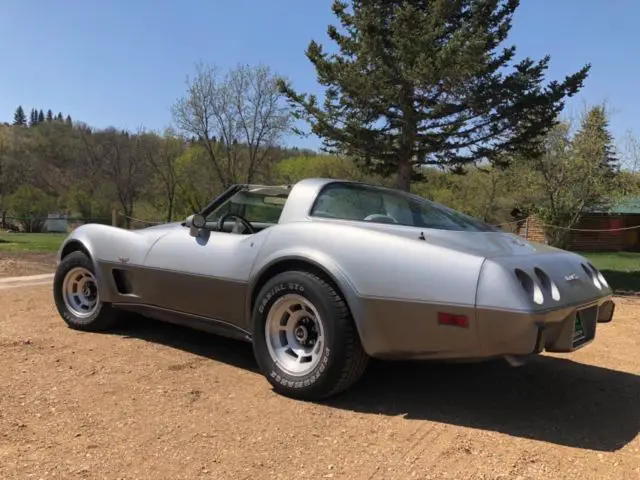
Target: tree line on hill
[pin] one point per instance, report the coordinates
(418, 96)
(37, 116)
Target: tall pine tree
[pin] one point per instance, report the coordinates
(423, 82)
(594, 142)
(577, 172)
(68, 120)
(19, 117)
(33, 118)
(40, 116)
(49, 115)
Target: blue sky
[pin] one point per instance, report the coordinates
(123, 63)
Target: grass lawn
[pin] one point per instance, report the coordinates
(31, 242)
(621, 269)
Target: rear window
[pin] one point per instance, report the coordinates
(367, 203)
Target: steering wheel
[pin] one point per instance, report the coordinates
(243, 220)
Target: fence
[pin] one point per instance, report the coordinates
(119, 219)
(63, 224)
(50, 224)
(624, 235)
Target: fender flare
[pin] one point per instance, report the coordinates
(318, 261)
(80, 242)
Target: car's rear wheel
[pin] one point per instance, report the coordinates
(76, 295)
(304, 338)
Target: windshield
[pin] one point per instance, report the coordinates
(256, 204)
(347, 201)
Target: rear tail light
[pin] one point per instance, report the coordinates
(598, 275)
(593, 275)
(530, 286)
(547, 284)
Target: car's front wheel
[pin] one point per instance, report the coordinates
(75, 292)
(304, 338)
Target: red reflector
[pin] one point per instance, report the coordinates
(453, 320)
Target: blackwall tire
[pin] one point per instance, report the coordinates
(299, 313)
(75, 294)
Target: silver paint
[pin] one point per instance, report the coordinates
(394, 278)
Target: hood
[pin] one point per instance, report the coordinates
(160, 228)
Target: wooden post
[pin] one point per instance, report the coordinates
(114, 217)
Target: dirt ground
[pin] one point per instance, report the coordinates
(13, 264)
(155, 401)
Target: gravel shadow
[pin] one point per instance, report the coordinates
(215, 347)
(550, 399)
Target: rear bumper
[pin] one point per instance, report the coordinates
(555, 331)
(411, 331)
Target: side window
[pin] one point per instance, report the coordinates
(254, 207)
(224, 208)
(229, 207)
(348, 203)
(334, 203)
(263, 213)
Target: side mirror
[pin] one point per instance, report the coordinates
(198, 220)
(196, 224)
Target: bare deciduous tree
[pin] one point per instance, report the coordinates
(631, 152)
(161, 153)
(630, 174)
(574, 173)
(238, 118)
(4, 168)
(120, 155)
(16, 170)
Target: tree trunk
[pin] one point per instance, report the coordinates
(127, 206)
(403, 176)
(170, 209)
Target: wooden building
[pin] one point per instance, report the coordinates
(606, 221)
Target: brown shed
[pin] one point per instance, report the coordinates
(617, 228)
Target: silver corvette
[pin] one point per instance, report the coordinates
(325, 274)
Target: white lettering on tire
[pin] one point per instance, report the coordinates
(277, 376)
(295, 287)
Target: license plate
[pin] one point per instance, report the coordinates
(579, 335)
